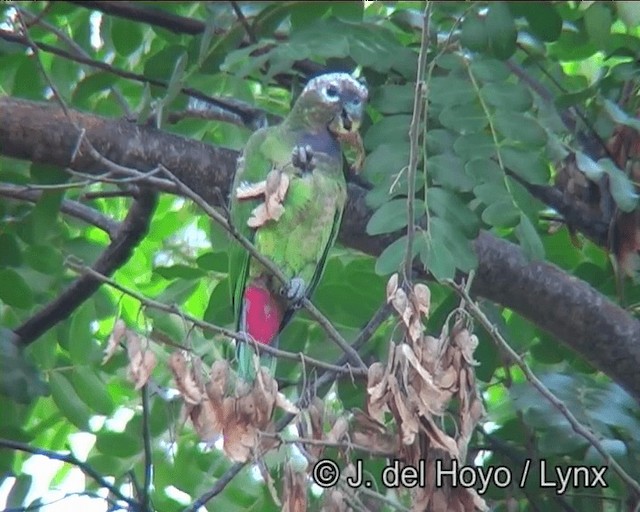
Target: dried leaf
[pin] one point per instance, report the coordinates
(392, 286)
(286, 405)
(338, 430)
(408, 420)
(274, 189)
(410, 356)
(295, 491)
(113, 343)
(141, 360)
(248, 190)
(422, 296)
(191, 393)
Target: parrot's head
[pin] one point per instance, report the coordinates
(335, 101)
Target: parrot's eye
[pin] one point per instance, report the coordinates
(331, 91)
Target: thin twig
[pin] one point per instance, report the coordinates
(414, 135)
(39, 505)
(69, 459)
(323, 442)
(578, 428)
(36, 54)
(72, 208)
(246, 112)
(146, 436)
(242, 19)
(209, 327)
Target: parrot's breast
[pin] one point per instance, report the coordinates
(322, 142)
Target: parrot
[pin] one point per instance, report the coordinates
(287, 198)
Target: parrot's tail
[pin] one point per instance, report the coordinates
(261, 318)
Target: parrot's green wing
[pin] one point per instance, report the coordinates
(253, 166)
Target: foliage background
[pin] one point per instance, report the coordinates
(501, 80)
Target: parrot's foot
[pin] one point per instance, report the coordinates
(302, 158)
(295, 292)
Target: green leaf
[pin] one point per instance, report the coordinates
(450, 91)
(44, 258)
(14, 290)
(389, 130)
(451, 208)
(179, 272)
(520, 127)
(163, 65)
(629, 13)
(620, 116)
(529, 239)
(392, 256)
(544, 20)
(530, 165)
(491, 192)
(392, 216)
(126, 36)
(597, 21)
(119, 444)
(19, 378)
(436, 257)
(469, 118)
(489, 70)
(622, 189)
(10, 255)
(475, 145)
(473, 33)
(92, 390)
(393, 99)
(81, 344)
(178, 291)
(45, 215)
(175, 82)
(591, 169)
(502, 30)
(507, 96)
(459, 246)
(448, 170)
(68, 401)
(96, 83)
(213, 261)
(219, 311)
(502, 213)
(439, 140)
(484, 170)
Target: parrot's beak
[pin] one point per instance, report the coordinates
(348, 121)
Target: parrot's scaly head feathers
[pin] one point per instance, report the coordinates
(333, 100)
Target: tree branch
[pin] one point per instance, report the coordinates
(131, 231)
(69, 459)
(574, 312)
(250, 116)
(514, 358)
(150, 15)
(72, 208)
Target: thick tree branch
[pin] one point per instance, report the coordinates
(574, 312)
(143, 14)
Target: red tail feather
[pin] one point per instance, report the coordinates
(262, 314)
